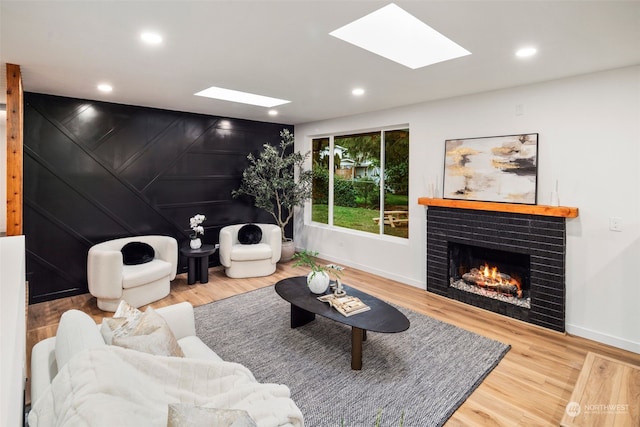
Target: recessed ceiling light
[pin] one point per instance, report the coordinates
(526, 52)
(151, 38)
(358, 91)
(273, 112)
(242, 97)
(401, 37)
(103, 87)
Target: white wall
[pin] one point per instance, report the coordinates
(13, 330)
(589, 140)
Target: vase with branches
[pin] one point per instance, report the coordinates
(319, 277)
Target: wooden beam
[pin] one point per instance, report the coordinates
(559, 211)
(14, 150)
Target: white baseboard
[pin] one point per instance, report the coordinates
(603, 338)
(386, 274)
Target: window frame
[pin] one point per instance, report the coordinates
(381, 185)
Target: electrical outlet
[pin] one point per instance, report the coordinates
(615, 223)
(519, 110)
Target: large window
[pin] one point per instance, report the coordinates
(361, 181)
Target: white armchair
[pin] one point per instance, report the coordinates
(110, 280)
(250, 260)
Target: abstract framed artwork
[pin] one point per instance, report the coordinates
(492, 169)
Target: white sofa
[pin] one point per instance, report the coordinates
(110, 280)
(179, 317)
(250, 260)
(81, 337)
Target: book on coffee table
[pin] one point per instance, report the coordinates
(346, 305)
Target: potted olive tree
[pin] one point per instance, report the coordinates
(278, 183)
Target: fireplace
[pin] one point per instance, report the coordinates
(526, 248)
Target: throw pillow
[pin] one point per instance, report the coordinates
(147, 332)
(124, 320)
(134, 253)
(185, 415)
(249, 234)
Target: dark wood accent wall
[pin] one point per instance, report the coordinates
(95, 171)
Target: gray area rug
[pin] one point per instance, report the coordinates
(421, 375)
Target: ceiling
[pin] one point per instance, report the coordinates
(283, 49)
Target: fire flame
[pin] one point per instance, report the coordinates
(494, 275)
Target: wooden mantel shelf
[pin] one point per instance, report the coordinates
(558, 211)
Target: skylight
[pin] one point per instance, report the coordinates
(399, 36)
(242, 97)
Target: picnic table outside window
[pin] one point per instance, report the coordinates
(394, 218)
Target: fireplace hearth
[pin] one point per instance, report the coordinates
(527, 251)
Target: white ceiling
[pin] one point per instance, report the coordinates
(283, 49)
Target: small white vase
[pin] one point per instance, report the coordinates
(195, 243)
(318, 282)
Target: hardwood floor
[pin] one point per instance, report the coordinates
(530, 387)
(603, 379)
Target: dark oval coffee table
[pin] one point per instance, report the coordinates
(305, 305)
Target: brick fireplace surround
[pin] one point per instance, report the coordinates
(535, 230)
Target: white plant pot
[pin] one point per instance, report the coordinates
(195, 243)
(318, 282)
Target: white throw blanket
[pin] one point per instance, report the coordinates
(112, 386)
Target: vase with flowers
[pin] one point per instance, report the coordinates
(198, 230)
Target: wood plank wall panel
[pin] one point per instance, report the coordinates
(14, 171)
(95, 171)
